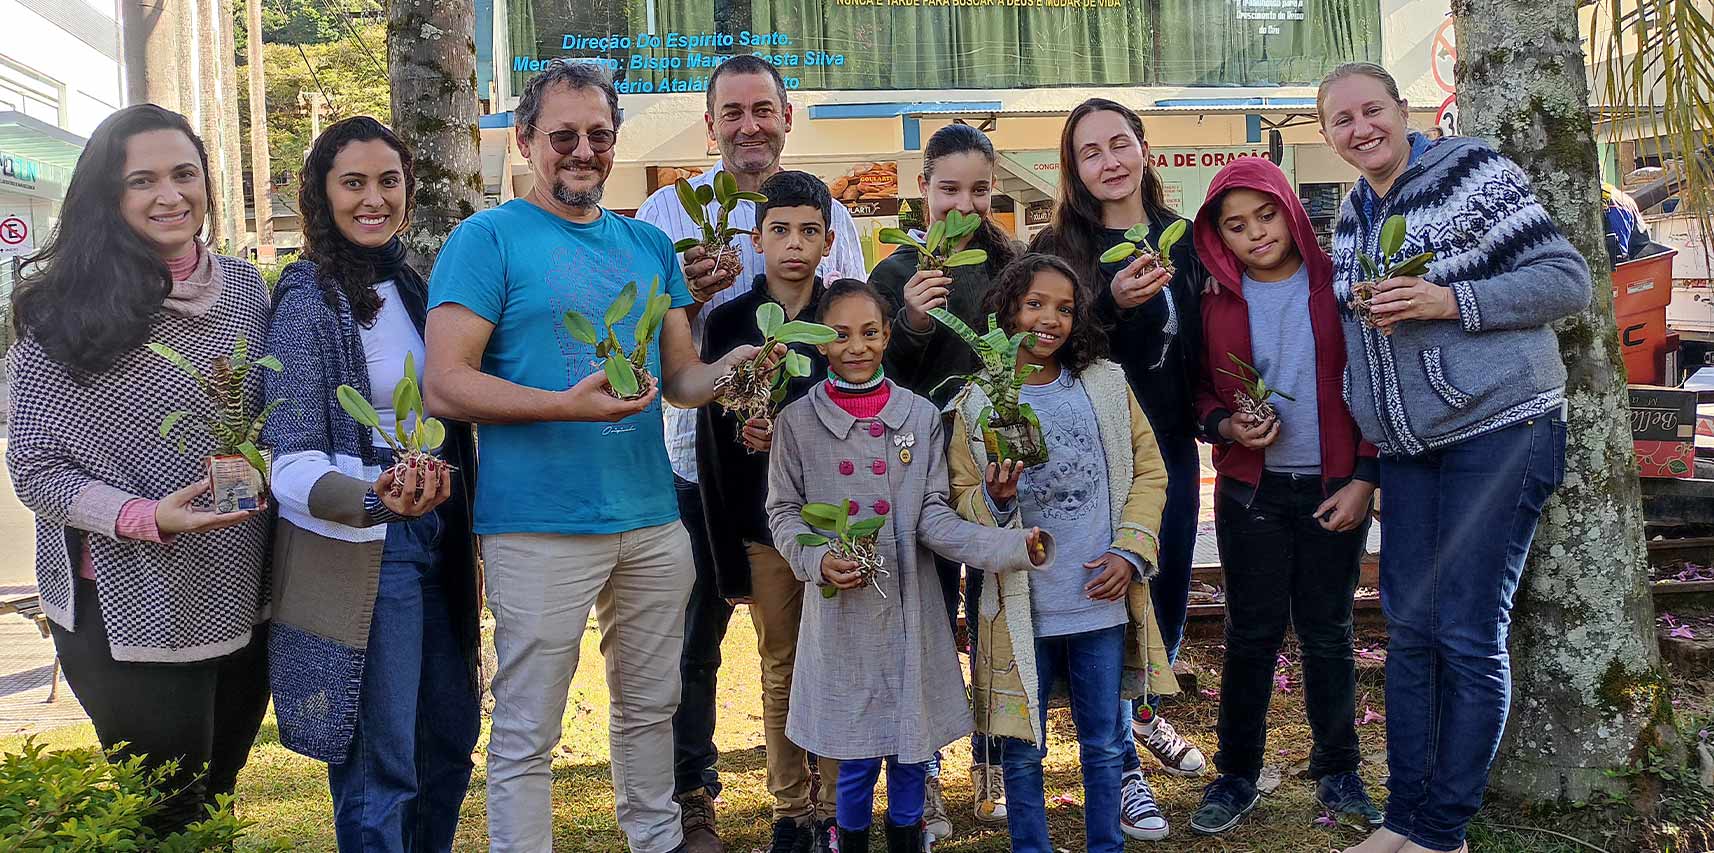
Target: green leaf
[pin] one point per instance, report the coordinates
(899, 237)
(966, 258)
(432, 433)
(1371, 270)
(269, 362)
(621, 377)
(686, 244)
(1171, 236)
(172, 420)
(812, 539)
(867, 527)
(1137, 233)
(769, 317)
(830, 592)
(704, 195)
(845, 518)
(411, 371)
(936, 236)
(580, 328)
(687, 199)
(756, 198)
(804, 332)
(948, 319)
(177, 360)
(821, 516)
(1416, 265)
(358, 407)
(622, 304)
(254, 456)
(797, 364)
(1119, 252)
(960, 225)
(653, 313)
(724, 187)
(1392, 236)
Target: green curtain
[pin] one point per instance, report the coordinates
(1131, 42)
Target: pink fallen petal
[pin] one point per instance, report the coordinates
(1369, 716)
(1326, 820)
(1210, 693)
(1063, 800)
(1670, 620)
(1683, 632)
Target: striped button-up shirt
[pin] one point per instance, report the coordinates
(662, 210)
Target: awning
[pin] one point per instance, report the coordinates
(39, 141)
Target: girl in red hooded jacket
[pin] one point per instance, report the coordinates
(1294, 489)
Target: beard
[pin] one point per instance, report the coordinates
(577, 199)
(752, 160)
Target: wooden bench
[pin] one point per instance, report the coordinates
(30, 607)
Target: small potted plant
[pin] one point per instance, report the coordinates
(747, 391)
(415, 435)
(935, 250)
(627, 372)
(1389, 265)
(1010, 428)
(1137, 240)
(1252, 398)
(238, 468)
(717, 235)
(851, 540)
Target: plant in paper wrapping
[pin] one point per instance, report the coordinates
(1137, 240)
(1252, 398)
(415, 435)
(1010, 429)
(851, 540)
(936, 250)
(238, 468)
(627, 372)
(717, 235)
(1388, 265)
(748, 392)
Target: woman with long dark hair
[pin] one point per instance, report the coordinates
(155, 601)
(1153, 318)
(375, 631)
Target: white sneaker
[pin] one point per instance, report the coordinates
(1180, 757)
(1139, 816)
(988, 782)
(934, 819)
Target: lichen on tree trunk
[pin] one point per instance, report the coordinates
(1587, 689)
(431, 55)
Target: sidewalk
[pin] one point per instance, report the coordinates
(26, 658)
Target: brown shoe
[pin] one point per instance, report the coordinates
(697, 812)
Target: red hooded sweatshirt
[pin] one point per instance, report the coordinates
(1226, 329)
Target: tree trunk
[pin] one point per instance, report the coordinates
(431, 54)
(260, 169)
(1588, 692)
(232, 151)
(209, 111)
(152, 51)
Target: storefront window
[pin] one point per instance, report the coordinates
(673, 45)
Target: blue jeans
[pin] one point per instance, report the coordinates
(1090, 662)
(401, 787)
(906, 784)
(1170, 589)
(1457, 526)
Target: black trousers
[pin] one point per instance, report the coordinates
(706, 618)
(1282, 568)
(204, 715)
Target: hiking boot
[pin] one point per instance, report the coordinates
(826, 836)
(904, 839)
(696, 809)
(853, 840)
(934, 819)
(1178, 756)
(1139, 816)
(791, 835)
(989, 784)
(1345, 796)
(1224, 803)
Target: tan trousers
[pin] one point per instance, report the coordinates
(776, 610)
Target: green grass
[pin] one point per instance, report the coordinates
(286, 794)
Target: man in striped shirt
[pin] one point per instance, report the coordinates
(749, 116)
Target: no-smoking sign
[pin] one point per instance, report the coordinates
(14, 234)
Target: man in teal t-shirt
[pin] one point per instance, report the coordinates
(575, 499)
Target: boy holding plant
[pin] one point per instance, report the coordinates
(1295, 481)
(732, 465)
(878, 677)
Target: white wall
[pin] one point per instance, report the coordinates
(91, 82)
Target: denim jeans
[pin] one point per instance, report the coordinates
(1171, 587)
(706, 618)
(1283, 569)
(1090, 662)
(1457, 526)
(905, 792)
(401, 788)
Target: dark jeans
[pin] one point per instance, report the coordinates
(204, 714)
(1090, 663)
(1457, 527)
(1171, 588)
(1283, 568)
(400, 789)
(705, 621)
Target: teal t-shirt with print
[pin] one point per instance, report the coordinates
(521, 268)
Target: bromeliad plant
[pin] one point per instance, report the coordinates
(747, 391)
(935, 250)
(1252, 397)
(1137, 240)
(1010, 429)
(851, 540)
(235, 433)
(415, 435)
(627, 372)
(1388, 265)
(717, 235)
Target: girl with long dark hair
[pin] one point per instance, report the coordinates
(375, 633)
(155, 601)
(1153, 318)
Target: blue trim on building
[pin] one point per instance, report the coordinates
(1236, 102)
(495, 121)
(899, 108)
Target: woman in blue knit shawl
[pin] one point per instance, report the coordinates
(374, 641)
(1456, 377)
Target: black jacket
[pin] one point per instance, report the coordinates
(921, 361)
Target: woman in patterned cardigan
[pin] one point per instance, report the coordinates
(155, 601)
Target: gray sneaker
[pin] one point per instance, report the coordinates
(934, 817)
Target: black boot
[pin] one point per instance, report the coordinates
(853, 840)
(903, 839)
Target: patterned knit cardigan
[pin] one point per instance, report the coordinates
(1432, 383)
(328, 550)
(79, 452)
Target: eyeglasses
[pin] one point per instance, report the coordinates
(565, 141)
